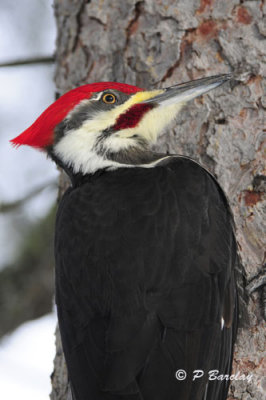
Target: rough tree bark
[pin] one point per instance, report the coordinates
(155, 43)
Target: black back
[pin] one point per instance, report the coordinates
(144, 273)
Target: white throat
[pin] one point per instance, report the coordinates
(79, 155)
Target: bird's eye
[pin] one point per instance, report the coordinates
(109, 98)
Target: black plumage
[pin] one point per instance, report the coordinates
(144, 273)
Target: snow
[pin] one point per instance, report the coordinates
(26, 360)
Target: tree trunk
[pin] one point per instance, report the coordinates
(156, 43)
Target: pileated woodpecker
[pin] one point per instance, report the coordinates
(144, 247)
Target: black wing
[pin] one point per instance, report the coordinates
(144, 276)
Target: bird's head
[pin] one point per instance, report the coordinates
(108, 124)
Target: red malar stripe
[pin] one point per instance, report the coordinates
(131, 117)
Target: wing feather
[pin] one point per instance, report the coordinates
(144, 273)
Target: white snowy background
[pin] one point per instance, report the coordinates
(27, 29)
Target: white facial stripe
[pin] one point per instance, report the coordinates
(115, 142)
(75, 148)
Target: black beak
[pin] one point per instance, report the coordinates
(184, 92)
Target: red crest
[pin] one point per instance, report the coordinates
(41, 133)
